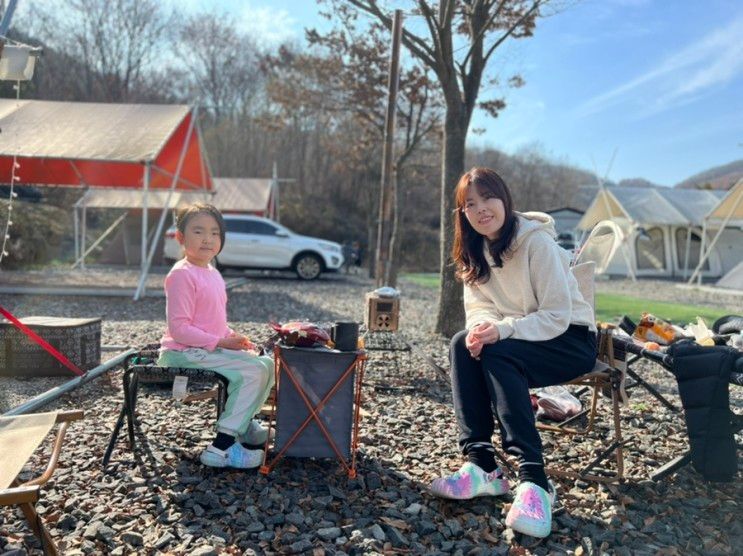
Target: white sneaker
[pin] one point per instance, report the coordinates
(255, 435)
(235, 456)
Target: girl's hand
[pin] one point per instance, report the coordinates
(233, 341)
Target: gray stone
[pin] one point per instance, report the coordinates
(377, 532)
(255, 527)
(329, 533)
(67, 522)
(164, 540)
(132, 538)
(300, 546)
(204, 551)
(413, 509)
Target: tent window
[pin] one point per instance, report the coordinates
(650, 249)
(695, 245)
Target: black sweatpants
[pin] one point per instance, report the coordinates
(502, 378)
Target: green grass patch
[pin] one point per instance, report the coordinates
(426, 279)
(611, 307)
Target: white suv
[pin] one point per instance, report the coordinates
(255, 242)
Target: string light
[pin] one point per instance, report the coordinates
(14, 177)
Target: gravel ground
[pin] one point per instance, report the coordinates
(164, 501)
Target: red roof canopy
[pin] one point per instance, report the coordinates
(101, 145)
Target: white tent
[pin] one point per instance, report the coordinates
(733, 280)
(663, 228)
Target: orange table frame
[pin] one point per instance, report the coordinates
(358, 364)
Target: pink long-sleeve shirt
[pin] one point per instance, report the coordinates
(196, 307)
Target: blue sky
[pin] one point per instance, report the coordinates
(658, 81)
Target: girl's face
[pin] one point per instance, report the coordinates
(201, 241)
(484, 211)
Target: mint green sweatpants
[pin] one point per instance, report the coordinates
(250, 379)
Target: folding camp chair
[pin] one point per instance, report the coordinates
(606, 379)
(141, 365)
(20, 435)
(317, 405)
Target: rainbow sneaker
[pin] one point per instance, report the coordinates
(531, 511)
(470, 481)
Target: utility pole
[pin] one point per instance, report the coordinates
(387, 192)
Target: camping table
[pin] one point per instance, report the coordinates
(317, 405)
(666, 361)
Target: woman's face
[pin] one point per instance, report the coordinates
(484, 211)
(201, 241)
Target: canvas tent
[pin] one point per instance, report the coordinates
(230, 195)
(663, 231)
(117, 146)
(726, 218)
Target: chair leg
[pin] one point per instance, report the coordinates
(129, 404)
(615, 397)
(114, 435)
(39, 529)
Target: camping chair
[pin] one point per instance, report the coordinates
(607, 378)
(20, 435)
(142, 365)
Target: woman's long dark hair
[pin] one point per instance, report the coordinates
(467, 251)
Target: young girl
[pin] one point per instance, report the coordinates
(527, 327)
(197, 336)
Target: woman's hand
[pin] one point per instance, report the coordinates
(481, 335)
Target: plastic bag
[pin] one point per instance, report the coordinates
(301, 333)
(653, 329)
(557, 403)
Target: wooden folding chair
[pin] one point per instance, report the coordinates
(20, 435)
(606, 379)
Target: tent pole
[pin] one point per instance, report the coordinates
(275, 191)
(76, 218)
(82, 236)
(145, 270)
(143, 242)
(688, 248)
(101, 238)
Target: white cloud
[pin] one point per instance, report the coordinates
(692, 72)
(269, 24)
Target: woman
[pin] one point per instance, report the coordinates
(527, 327)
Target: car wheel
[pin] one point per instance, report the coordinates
(308, 266)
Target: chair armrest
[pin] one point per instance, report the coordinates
(64, 418)
(72, 415)
(19, 495)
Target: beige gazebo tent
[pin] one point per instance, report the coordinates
(727, 214)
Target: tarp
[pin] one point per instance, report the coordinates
(100, 145)
(252, 195)
(651, 206)
(730, 206)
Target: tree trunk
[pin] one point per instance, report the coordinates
(450, 318)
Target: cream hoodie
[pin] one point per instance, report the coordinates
(534, 296)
